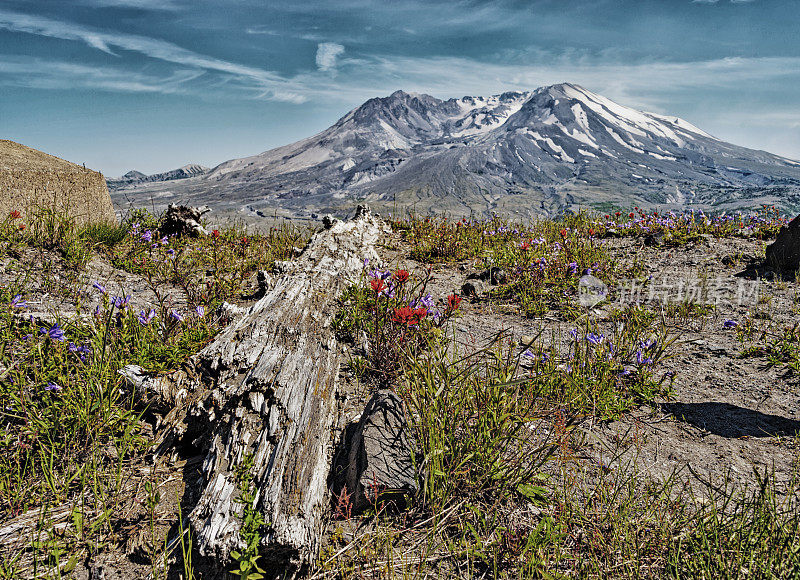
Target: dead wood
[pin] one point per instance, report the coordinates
(267, 387)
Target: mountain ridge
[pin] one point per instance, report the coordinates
(524, 152)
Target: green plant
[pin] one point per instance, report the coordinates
(247, 558)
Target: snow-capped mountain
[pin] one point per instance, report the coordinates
(518, 152)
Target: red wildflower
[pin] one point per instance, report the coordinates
(591, 231)
(401, 276)
(15, 215)
(406, 315)
(22, 226)
(215, 234)
(525, 246)
(619, 213)
(563, 233)
(377, 285)
(630, 215)
(453, 302)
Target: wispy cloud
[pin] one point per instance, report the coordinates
(327, 53)
(155, 5)
(151, 47)
(43, 74)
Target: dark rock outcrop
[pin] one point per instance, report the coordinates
(784, 252)
(376, 459)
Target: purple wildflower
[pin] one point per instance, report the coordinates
(55, 332)
(100, 287)
(201, 311)
(145, 319)
(176, 315)
(730, 324)
(594, 338)
(52, 387)
(147, 236)
(18, 302)
(120, 303)
(572, 268)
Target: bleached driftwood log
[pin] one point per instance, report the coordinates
(267, 386)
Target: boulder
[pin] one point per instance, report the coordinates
(473, 288)
(33, 182)
(182, 220)
(784, 252)
(376, 459)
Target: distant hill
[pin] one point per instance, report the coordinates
(137, 177)
(525, 153)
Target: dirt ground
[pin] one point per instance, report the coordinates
(728, 415)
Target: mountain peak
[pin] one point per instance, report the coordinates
(516, 151)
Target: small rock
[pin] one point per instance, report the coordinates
(473, 288)
(654, 239)
(497, 276)
(784, 252)
(526, 340)
(376, 458)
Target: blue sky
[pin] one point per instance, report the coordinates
(154, 84)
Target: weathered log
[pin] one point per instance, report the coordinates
(266, 387)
